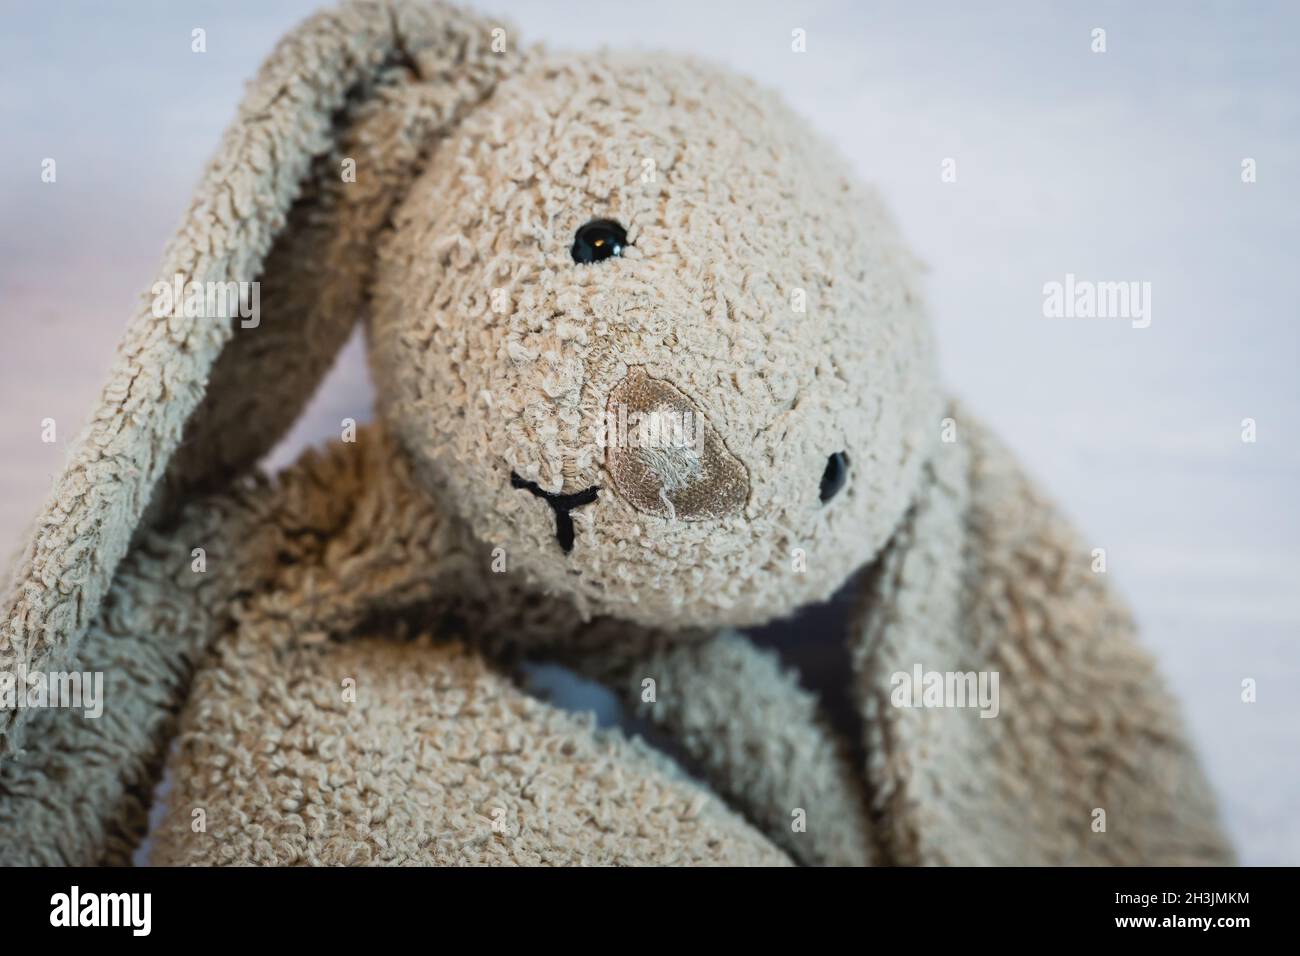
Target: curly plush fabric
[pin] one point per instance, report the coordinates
(330, 652)
(763, 288)
(331, 68)
(986, 577)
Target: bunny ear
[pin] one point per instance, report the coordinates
(271, 266)
(1083, 760)
(338, 121)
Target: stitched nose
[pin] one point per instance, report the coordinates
(664, 457)
(561, 505)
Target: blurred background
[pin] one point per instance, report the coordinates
(1115, 166)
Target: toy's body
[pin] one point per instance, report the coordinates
(346, 644)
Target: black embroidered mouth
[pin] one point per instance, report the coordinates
(561, 505)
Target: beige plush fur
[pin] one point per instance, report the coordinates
(338, 683)
(745, 213)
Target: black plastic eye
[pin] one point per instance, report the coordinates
(836, 473)
(598, 239)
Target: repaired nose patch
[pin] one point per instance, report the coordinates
(664, 457)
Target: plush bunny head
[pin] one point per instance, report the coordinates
(641, 329)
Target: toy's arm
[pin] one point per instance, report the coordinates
(416, 752)
(1077, 754)
(79, 793)
(746, 726)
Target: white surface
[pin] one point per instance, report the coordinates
(1115, 166)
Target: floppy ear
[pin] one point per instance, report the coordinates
(986, 578)
(194, 400)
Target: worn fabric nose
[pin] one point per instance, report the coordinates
(664, 457)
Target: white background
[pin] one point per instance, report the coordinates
(1116, 166)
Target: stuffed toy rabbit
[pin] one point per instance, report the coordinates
(652, 367)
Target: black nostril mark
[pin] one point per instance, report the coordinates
(560, 504)
(564, 530)
(836, 473)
